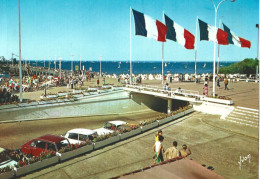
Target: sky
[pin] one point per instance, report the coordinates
(95, 28)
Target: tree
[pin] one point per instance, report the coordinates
(247, 66)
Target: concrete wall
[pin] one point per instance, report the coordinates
(157, 103)
(100, 105)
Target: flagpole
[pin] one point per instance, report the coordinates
(130, 48)
(196, 49)
(20, 57)
(218, 49)
(162, 52)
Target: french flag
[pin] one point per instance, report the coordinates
(209, 33)
(178, 34)
(148, 27)
(235, 40)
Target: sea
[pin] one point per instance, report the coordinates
(138, 67)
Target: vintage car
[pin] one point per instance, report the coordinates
(44, 143)
(80, 136)
(110, 127)
(5, 160)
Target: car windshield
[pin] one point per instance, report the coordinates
(4, 157)
(73, 136)
(109, 126)
(61, 144)
(83, 137)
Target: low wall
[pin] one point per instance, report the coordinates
(213, 108)
(100, 105)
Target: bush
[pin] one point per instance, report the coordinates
(247, 66)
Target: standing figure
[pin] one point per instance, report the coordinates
(184, 152)
(218, 84)
(226, 83)
(172, 152)
(98, 81)
(158, 149)
(205, 90)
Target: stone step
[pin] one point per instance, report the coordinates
(243, 116)
(248, 109)
(241, 120)
(242, 123)
(246, 112)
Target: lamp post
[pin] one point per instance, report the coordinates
(60, 65)
(100, 74)
(214, 63)
(257, 71)
(71, 64)
(80, 63)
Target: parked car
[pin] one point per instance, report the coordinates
(44, 143)
(5, 159)
(110, 127)
(79, 136)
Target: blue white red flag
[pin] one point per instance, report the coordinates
(148, 27)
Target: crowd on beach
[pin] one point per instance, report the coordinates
(160, 154)
(10, 86)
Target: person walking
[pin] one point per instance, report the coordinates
(172, 152)
(226, 83)
(218, 84)
(205, 89)
(158, 150)
(184, 152)
(98, 81)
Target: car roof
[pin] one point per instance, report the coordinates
(1, 149)
(117, 122)
(82, 131)
(51, 138)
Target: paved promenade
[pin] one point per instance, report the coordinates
(213, 141)
(243, 93)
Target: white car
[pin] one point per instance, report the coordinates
(79, 136)
(109, 127)
(5, 160)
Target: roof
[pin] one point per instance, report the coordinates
(82, 131)
(51, 138)
(103, 131)
(117, 122)
(1, 149)
(175, 168)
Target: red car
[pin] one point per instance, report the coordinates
(44, 143)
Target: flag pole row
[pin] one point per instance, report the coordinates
(170, 30)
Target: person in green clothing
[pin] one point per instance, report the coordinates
(159, 150)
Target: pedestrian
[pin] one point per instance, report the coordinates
(205, 89)
(104, 81)
(226, 83)
(184, 152)
(206, 79)
(218, 84)
(158, 150)
(170, 79)
(172, 152)
(98, 81)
